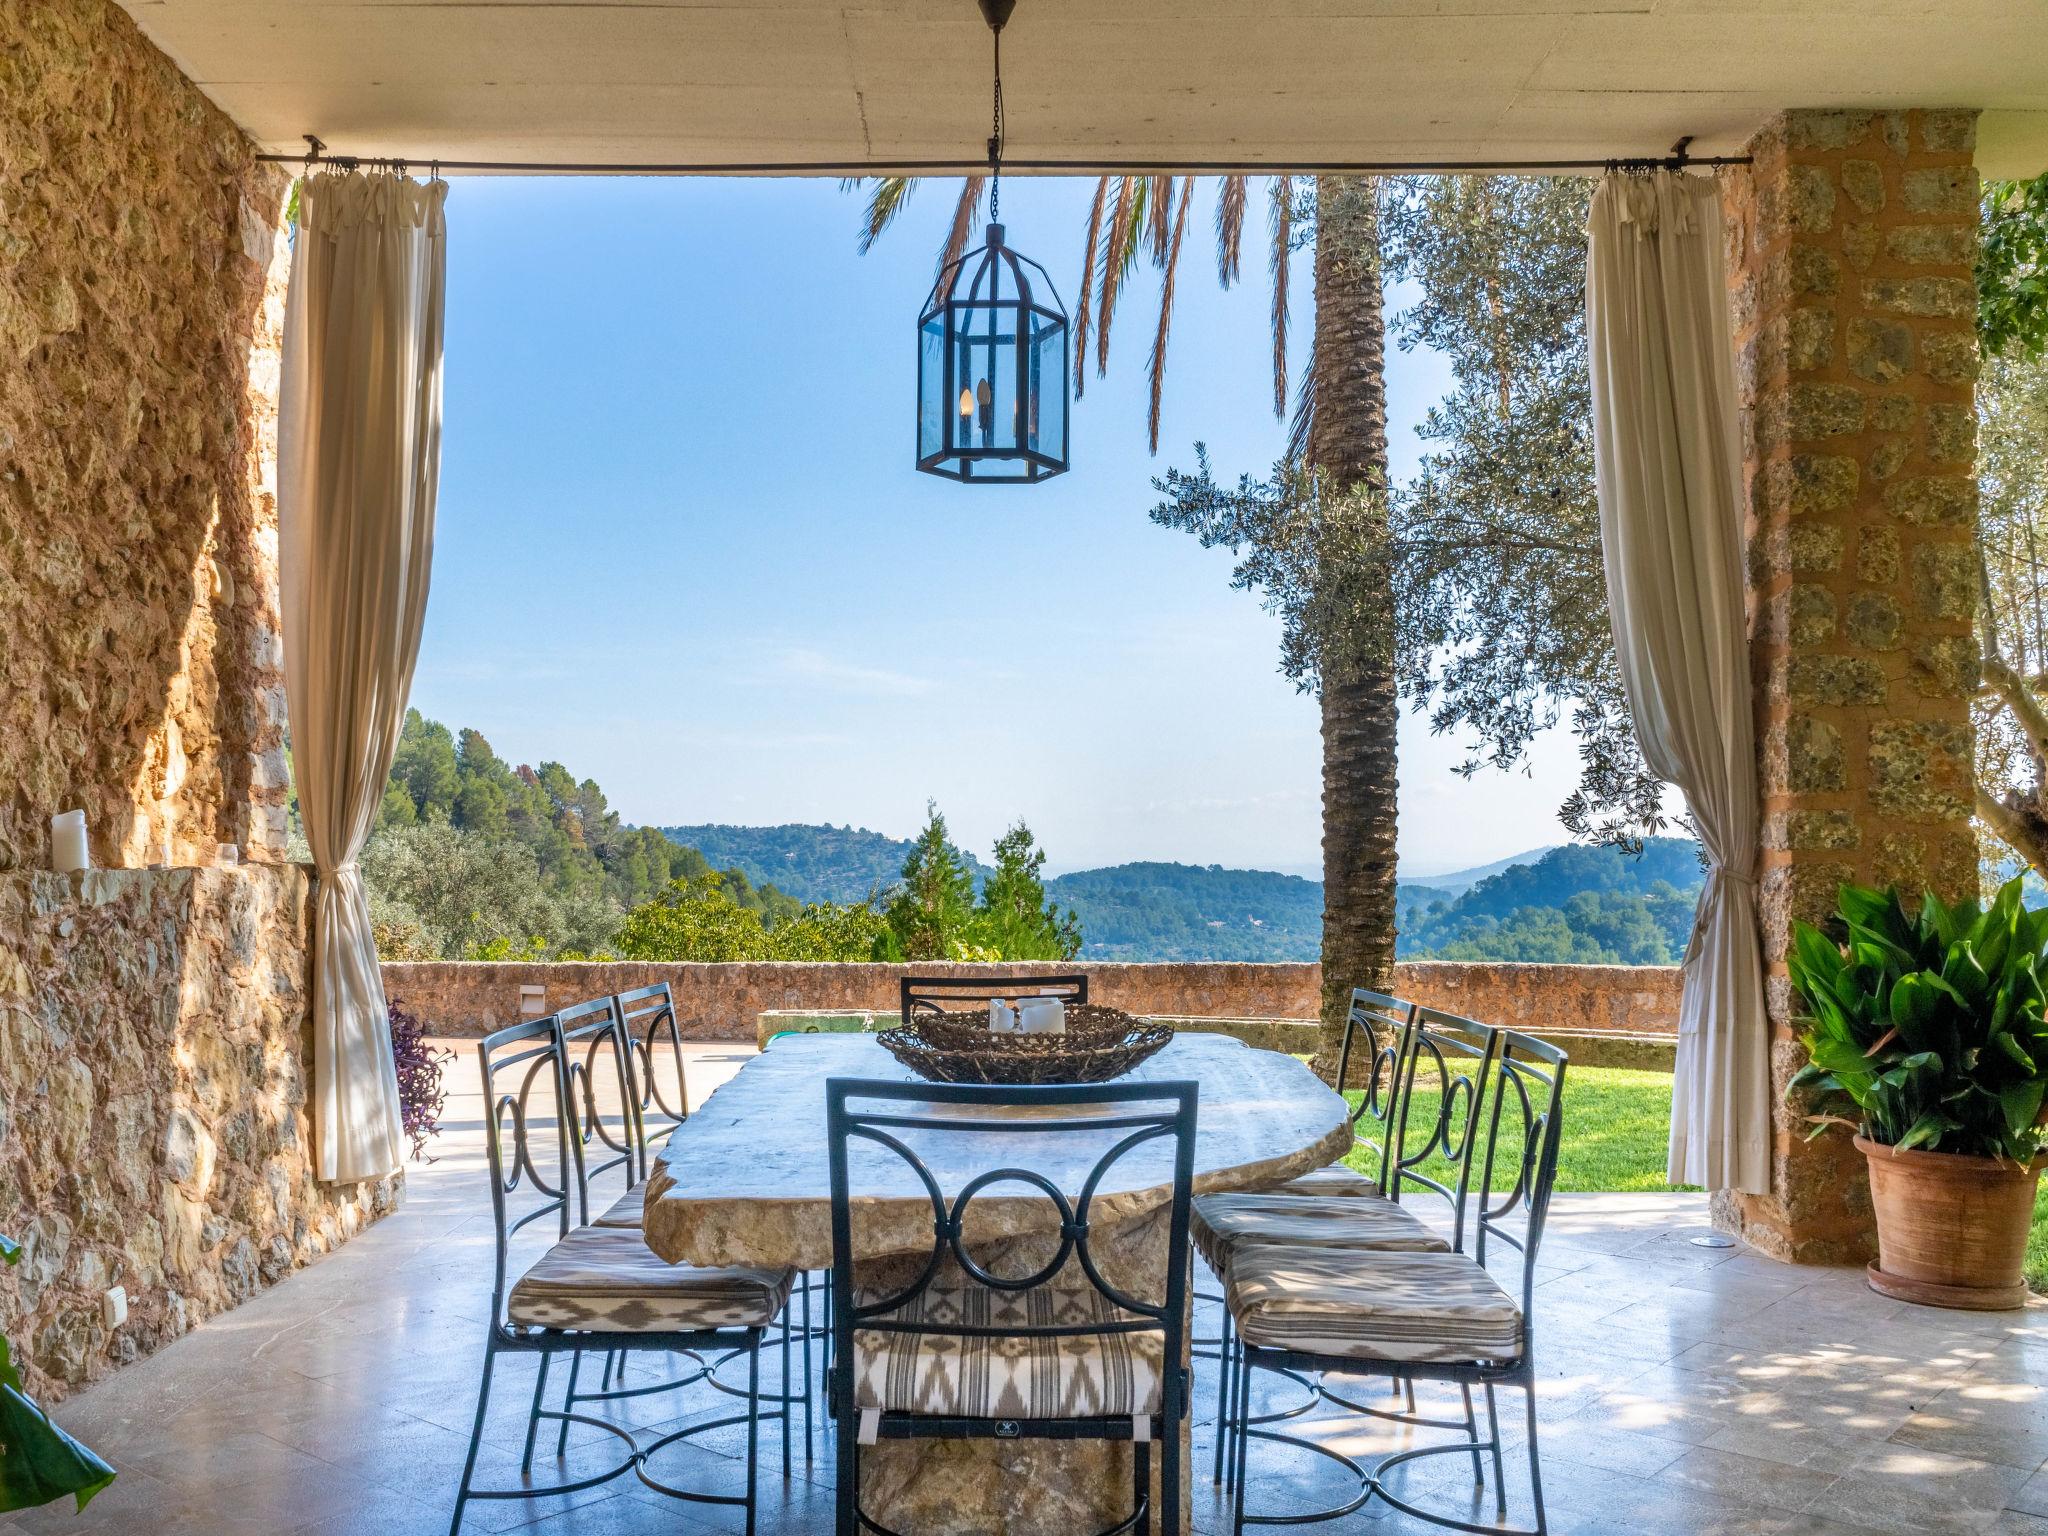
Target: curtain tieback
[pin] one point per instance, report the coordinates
(1699, 916)
(320, 873)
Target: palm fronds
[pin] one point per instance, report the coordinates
(1116, 254)
(884, 203)
(1088, 257)
(1283, 232)
(1161, 193)
(964, 214)
(1230, 228)
(1180, 229)
(1301, 431)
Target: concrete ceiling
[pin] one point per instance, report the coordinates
(1116, 83)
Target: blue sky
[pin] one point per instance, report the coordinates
(682, 550)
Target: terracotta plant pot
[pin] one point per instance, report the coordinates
(1951, 1230)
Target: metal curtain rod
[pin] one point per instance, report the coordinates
(1677, 160)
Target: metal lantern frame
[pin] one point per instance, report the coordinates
(995, 317)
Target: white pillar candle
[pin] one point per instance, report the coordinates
(68, 850)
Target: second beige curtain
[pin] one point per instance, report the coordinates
(1669, 473)
(359, 457)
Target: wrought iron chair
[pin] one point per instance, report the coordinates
(1332, 1203)
(1057, 1353)
(595, 1287)
(1421, 1316)
(647, 1018)
(935, 993)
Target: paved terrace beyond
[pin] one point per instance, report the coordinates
(1685, 1391)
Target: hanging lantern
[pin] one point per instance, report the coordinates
(992, 349)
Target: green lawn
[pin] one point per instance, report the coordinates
(1615, 1123)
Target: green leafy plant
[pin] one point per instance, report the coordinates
(1930, 1026)
(39, 1463)
(2012, 268)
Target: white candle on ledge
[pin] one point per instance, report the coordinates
(68, 851)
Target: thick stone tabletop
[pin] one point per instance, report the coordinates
(745, 1180)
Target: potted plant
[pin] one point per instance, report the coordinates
(39, 1463)
(1927, 1038)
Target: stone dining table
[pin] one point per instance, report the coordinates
(744, 1181)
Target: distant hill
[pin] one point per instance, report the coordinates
(1575, 905)
(811, 863)
(1564, 904)
(1192, 912)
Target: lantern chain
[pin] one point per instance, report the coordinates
(995, 140)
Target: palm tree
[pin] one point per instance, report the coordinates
(1339, 431)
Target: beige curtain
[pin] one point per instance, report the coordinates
(359, 451)
(1670, 480)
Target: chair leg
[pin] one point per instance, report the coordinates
(1535, 1460)
(1472, 1434)
(846, 1446)
(1239, 1428)
(1169, 1475)
(810, 1440)
(476, 1439)
(1500, 1481)
(568, 1404)
(788, 1386)
(540, 1382)
(1223, 1342)
(754, 1426)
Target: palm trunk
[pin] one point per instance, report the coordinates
(1348, 445)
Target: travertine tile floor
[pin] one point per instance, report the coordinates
(1684, 1390)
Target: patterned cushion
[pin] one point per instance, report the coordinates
(1371, 1306)
(1221, 1223)
(607, 1280)
(1014, 1376)
(1333, 1180)
(629, 1210)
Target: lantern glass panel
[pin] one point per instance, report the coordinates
(1046, 413)
(932, 404)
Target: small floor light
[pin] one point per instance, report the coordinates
(992, 348)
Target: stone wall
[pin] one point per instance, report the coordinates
(141, 305)
(1850, 248)
(153, 1121)
(719, 1002)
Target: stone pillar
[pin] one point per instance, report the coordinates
(1851, 240)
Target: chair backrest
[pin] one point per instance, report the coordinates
(887, 1114)
(661, 1098)
(1448, 1058)
(945, 992)
(515, 1061)
(1522, 1126)
(594, 1057)
(1374, 1058)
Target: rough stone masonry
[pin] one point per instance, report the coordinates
(1851, 243)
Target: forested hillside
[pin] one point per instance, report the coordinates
(1192, 912)
(811, 863)
(1574, 905)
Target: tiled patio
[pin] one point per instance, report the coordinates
(1685, 1390)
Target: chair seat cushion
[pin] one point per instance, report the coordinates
(607, 1280)
(1336, 1179)
(1220, 1224)
(1014, 1375)
(1440, 1307)
(629, 1210)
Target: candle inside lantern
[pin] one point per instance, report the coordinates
(985, 397)
(68, 850)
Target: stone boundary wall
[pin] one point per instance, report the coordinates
(464, 999)
(154, 1062)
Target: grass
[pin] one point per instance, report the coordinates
(1615, 1125)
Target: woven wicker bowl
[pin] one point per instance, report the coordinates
(1100, 1043)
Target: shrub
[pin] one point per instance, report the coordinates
(421, 1065)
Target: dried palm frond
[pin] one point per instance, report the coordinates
(1088, 258)
(1161, 216)
(884, 203)
(1230, 228)
(964, 214)
(1283, 232)
(1180, 229)
(1115, 255)
(1301, 431)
